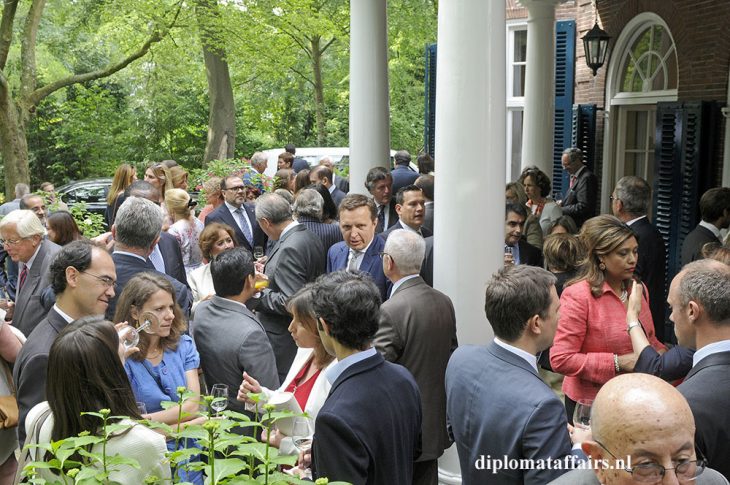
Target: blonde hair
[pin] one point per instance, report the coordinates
(179, 175)
(123, 177)
(163, 175)
(177, 202)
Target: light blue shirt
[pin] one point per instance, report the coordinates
(156, 259)
(529, 358)
(334, 372)
(398, 283)
(707, 350)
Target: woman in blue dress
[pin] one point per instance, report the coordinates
(167, 358)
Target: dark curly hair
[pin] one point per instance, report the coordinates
(539, 178)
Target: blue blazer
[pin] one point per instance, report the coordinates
(224, 216)
(371, 263)
(496, 404)
(368, 429)
(402, 175)
(171, 254)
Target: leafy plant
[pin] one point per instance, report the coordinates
(230, 458)
(90, 224)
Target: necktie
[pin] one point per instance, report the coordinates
(380, 226)
(244, 226)
(354, 263)
(22, 277)
(573, 178)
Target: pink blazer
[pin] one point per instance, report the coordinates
(590, 331)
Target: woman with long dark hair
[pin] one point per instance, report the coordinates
(62, 228)
(85, 374)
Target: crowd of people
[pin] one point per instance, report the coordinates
(293, 286)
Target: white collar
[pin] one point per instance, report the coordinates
(398, 283)
(288, 228)
(711, 227)
(531, 359)
(29, 264)
(709, 349)
(62, 313)
(130, 254)
(631, 222)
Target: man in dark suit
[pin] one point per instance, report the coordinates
(136, 231)
(496, 402)
(296, 258)
(402, 173)
(581, 200)
(360, 249)
(635, 416)
(411, 209)
(418, 331)
(341, 183)
(229, 338)
(299, 163)
(307, 210)
(83, 279)
(522, 251)
(630, 202)
(241, 217)
(26, 245)
(698, 297)
(715, 212)
(427, 266)
(380, 184)
(323, 175)
(166, 256)
(367, 431)
(426, 183)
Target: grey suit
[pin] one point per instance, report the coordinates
(231, 340)
(28, 308)
(588, 477)
(30, 370)
(498, 406)
(296, 259)
(418, 331)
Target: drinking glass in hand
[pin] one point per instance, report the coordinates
(582, 414)
(258, 252)
(220, 397)
(130, 335)
(4, 298)
(302, 434)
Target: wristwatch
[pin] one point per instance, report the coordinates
(631, 325)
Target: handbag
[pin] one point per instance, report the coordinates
(28, 454)
(8, 404)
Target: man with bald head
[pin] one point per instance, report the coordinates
(700, 305)
(643, 432)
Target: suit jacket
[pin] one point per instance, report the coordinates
(588, 477)
(529, 254)
(398, 225)
(650, 268)
(299, 164)
(337, 196)
(428, 217)
(296, 259)
(171, 254)
(128, 267)
(427, 266)
(580, 202)
(330, 234)
(418, 331)
(693, 242)
(231, 340)
(342, 183)
(224, 216)
(707, 390)
(370, 264)
(392, 216)
(402, 175)
(30, 370)
(367, 431)
(498, 405)
(28, 308)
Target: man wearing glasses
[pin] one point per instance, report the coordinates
(83, 278)
(23, 238)
(643, 432)
(239, 216)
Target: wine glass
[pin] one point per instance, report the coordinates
(129, 336)
(258, 252)
(582, 414)
(141, 407)
(302, 434)
(220, 397)
(4, 298)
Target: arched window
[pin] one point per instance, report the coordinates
(650, 61)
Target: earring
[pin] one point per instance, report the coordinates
(602, 266)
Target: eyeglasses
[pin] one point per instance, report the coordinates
(238, 188)
(686, 470)
(105, 280)
(12, 242)
(382, 254)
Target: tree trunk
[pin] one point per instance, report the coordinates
(318, 91)
(221, 142)
(14, 145)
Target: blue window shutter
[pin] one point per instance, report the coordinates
(429, 137)
(564, 81)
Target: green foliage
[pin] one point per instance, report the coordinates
(90, 224)
(231, 459)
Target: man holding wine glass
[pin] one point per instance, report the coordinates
(83, 277)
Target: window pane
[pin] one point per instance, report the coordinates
(520, 49)
(516, 155)
(518, 81)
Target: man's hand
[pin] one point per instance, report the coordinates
(579, 435)
(627, 362)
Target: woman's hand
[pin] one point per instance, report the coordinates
(248, 385)
(274, 438)
(634, 307)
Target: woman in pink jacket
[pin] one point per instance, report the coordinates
(592, 344)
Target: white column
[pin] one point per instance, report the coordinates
(369, 110)
(537, 132)
(470, 143)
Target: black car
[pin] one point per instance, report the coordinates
(92, 192)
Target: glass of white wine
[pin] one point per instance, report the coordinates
(302, 434)
(582, 414)
(129, 336)
(220, 397)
